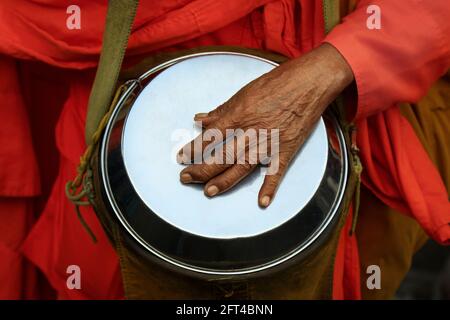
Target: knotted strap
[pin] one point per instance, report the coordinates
(331, 17)
(119, 20)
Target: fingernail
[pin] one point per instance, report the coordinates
(182, 158)
(265, 201)
(186, 178)
(212, 191)
(200, 115)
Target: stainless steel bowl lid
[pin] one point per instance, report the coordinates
(161, 122)
(139, 168)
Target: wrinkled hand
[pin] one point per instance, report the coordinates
(288, 100)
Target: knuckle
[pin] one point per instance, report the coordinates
(246, 166)
(205, 171)
(221, 182)
(199, 172)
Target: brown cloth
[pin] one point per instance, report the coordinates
(386, 237)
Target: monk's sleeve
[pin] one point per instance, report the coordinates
(399, 61)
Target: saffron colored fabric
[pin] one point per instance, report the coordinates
(47, 69)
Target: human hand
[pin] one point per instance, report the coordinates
(288, 100)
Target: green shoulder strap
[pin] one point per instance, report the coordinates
(331, 14)
(332, 17)
(119, 20)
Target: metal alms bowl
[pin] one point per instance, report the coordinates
(175, 224)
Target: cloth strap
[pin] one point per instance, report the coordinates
(119, 20)
(331, 14)
(331, 17)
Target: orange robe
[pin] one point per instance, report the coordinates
(397, 63)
